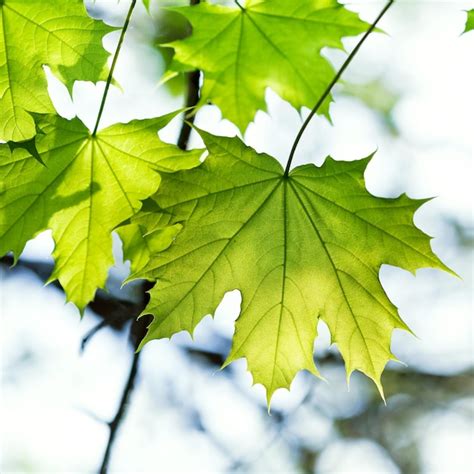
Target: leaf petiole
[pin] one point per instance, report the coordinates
(332, 84)
(112, 67)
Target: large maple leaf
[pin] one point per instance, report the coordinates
(267, 43)
(56, 33)
(301, 247)
(87, 186)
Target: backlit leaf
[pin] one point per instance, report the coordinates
(33, 33)
(299, 248)
(269, 43)
(87, 186)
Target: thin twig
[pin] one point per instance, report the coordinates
(332, 84)
(91, 333)
(115, 314)
(119, 416)
(137, 332)
(112, 67)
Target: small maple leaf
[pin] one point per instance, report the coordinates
(275, 44)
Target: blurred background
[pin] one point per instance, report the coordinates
(408, 94)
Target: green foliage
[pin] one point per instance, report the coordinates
(87, 186)
(242, 51)
(469, 21)
(299, 248)
(34, 33)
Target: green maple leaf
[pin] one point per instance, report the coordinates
(469, 21)
(270, 43)
(299, 248)
(33, 33)
(87, 186)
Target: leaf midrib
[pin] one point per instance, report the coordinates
(7, 64)
(283, 282)
(280, 52)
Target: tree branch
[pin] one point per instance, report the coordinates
(137, 332)
(138, 327)
(192, 98)
(105, 304)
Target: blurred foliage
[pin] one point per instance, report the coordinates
(169, 26)
(377, 96)
(464, 233)
(299, 434)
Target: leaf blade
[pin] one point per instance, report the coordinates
(60, 35)
(88, 186)
(299, 248)
(249, 53)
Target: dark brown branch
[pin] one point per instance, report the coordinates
(137, 332)
(91, 333)
(192, 98)
(113, 311)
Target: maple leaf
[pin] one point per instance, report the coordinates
(469, 21)
(87, 186)
(275, 44)
(56, 33)
(299, 248)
